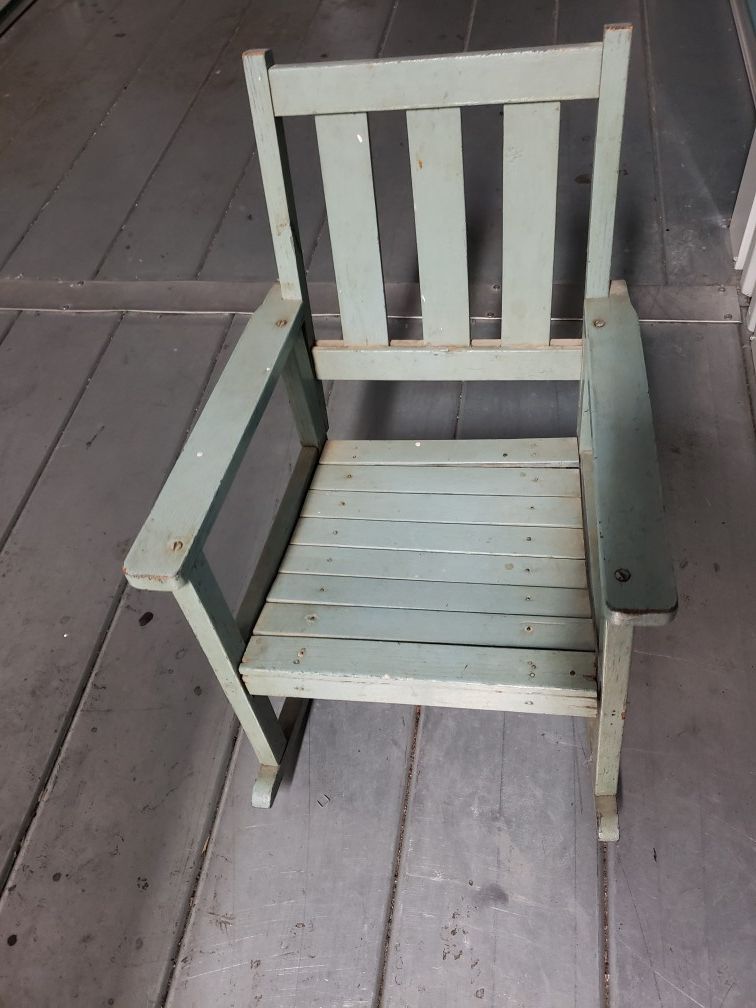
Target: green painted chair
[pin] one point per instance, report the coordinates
(498, 574)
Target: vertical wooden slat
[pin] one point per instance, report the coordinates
(274, 167)
(435, 148)
(611, 112)
(531, 152)
(344, 145)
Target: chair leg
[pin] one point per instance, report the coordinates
(616, 653)
(292, 719)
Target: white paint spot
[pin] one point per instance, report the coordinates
(200, 454)
(359, 138)
(65, 635)
(418, 444)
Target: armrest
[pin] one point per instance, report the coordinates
(635, 567)
(182, 516)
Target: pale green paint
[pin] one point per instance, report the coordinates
(435, 151)
(417, 565)
(495, 452)
(550, 512)
(606, 158)
(214, 626)
(177, 526)
(377, 592)
(344, 144)
(529, 187)
(460, 480)
(616, 654)
(632, 543)
(434, 674)
(488, 540)
(557, 73)
(434, 363)
(424, 625)
(274, 167)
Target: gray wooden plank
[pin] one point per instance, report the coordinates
(61, 30)
(701, 151)
(486, 678)
(435, 152)
(293, 619)
(127, 872)
(556, 451)
(218, 121)
(497, 893)
(445, 595)
(276, 915)
(45, 363)
(61, 565)
(681, 881)
(416, 565)
(553, 512)
(73, 231)
(48, 142)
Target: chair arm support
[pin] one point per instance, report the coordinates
(172, 537)
(635, 567)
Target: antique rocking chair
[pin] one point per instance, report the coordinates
(497, 574)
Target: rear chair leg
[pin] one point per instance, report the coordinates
(616, 653)
(292, 719)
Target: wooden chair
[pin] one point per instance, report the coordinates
(499, 574)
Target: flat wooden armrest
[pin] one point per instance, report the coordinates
(637, 579)
(184, 511)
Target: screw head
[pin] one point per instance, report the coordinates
(622, 574)
(599, 323)
(177, 545)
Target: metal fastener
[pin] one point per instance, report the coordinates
(622, 574)
(599, 323)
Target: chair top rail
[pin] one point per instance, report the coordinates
(556, 73)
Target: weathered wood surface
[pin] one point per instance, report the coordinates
(682, 893)
(637, 580)
(153, 728)
(61, 563)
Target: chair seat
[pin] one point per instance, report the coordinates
(449, 573)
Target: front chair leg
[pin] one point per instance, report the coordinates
(616, 653)
(274, 740)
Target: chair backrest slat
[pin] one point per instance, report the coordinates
(530, 85)
(344, 145)
(435, 149)
(484, 78)
(529, 185)
(606, 158)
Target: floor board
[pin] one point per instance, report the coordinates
(48, 142)
(154, 733)
(682, 892)
(45, 364)
(60, 567)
